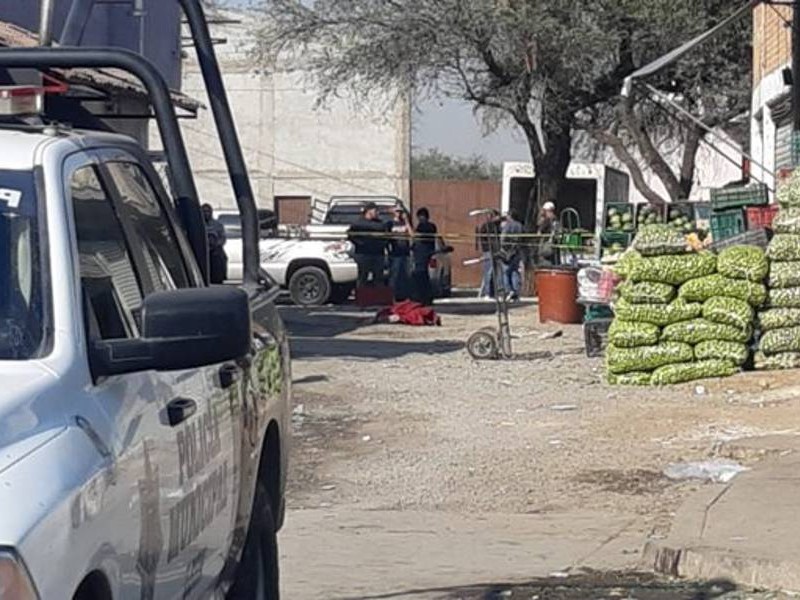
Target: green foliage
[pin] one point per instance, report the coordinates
(646, 292)
(784, 274)
(436, 165)
(781, 340)
(634, 378)
(777, 318)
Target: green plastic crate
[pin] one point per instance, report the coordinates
(727, 224)
(755, 194)
(623, 208)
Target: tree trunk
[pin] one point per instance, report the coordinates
(550, 169)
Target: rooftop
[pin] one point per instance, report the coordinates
(108, 80)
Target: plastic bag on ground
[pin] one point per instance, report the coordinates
(634, 378)
(780, 340)
(646, 358)
(734, 352)
(776, 318)
(743, 262)
(729, 311)
(658, 314)
(703, 330)
(715, 471)
(777, 362)
(784, 247)
(658, 240)
(674, 270)
(647, 292)
(630, 334)
(704, 288)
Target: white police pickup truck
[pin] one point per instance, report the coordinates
(143, 414)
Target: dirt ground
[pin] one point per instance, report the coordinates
(390, 418)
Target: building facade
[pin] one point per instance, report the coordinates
(771, 120)
(297, 151)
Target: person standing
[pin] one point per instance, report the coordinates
(547, 254)
(511, 245)
(368, 235)
(487, 234)
(425, 236)
(399, 253)
(218, 260)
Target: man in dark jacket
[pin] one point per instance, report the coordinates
(487, 235)
(369, 236)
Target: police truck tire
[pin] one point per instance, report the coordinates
(310, 286)
(258, 575)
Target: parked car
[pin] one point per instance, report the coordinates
(313, 271)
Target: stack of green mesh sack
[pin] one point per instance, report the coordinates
(682, 315)
(779, 321)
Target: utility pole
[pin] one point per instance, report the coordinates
(796, 65)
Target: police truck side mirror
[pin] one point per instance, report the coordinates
(181, 329)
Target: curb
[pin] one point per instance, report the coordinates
(706, 563)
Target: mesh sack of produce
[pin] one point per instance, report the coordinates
(734, 352)
(634, 378)
(630, 334)
(729, 311)
(789, 193)
(776, 341)
(776, 362)
(787, 221)
(681, 373)
(647, 292)
(658, 314)
(704, 288)
(660, 239)
(626, 262)
(776, 318)
(784, 274)
(743, 262)
(784, 298)
(675, 269)
(703, 330)
(785, 247)
(646, 358)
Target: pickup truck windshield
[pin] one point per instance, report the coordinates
(21, 310)
(348, 214)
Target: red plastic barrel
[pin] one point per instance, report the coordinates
(558, 292)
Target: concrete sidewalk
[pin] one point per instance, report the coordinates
(748, 530)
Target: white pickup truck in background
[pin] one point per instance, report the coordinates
(314, 271)
(314, 262)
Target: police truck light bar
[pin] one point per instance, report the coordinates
(21, 100)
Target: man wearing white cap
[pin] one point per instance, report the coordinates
(548, 227)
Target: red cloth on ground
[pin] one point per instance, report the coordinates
(410, 313)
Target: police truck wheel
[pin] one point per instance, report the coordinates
(310, 286)
(257, 575)
(483, 344)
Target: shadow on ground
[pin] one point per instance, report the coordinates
(590, 585)
(368, 350)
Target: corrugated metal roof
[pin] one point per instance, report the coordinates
(112, 80)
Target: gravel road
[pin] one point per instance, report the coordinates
(395, 418)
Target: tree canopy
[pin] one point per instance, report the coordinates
(550, 66)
